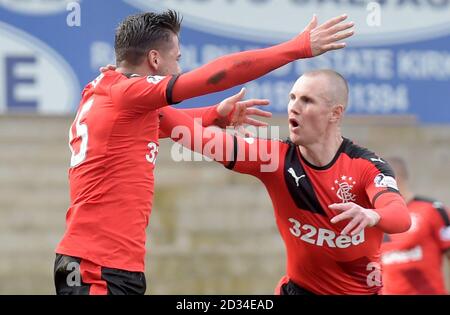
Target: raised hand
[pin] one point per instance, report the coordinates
(238, 111)
(327, 36)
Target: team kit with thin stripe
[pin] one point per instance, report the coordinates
(319, 259)
(114, 144)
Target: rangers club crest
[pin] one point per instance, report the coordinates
(343, 187)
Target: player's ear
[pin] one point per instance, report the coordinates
(337, 112)
(153, 59)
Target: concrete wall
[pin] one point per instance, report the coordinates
(211, 231)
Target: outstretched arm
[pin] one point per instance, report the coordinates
(146, 93)
(230, 112)
(240, 154)
(238, 68)
(190, 133)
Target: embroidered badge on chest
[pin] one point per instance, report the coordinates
(343, 188)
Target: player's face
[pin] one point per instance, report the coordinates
(309, 111)
(169, 58)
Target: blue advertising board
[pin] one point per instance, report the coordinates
(398, 63)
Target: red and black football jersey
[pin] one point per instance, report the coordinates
(319, 259)
(412, 261)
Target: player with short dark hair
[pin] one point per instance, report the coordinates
(139, 33)
(333, 199)
(114, 142)
(412, 261)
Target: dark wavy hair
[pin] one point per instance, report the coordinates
(139, 33)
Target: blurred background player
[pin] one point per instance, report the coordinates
(114, 142)
(332, 198)
(412, 261)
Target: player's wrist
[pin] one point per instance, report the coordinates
(221, 120)
(294, 49)
(374, 217)
(303, 45)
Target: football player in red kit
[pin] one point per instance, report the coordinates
(412, 261)
(114, 142)
(332, 199)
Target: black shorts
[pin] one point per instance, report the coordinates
(290, 288)
(76, 276)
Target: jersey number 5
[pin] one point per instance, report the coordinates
(81, 131)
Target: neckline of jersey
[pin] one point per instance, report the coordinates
(341, 149)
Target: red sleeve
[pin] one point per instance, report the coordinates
(211, 142)
(142, 94)
(239, 68)
(154, 92)
(208, 115)
(256, 157)
(249, 155)
(394, 215)
(381, 188)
